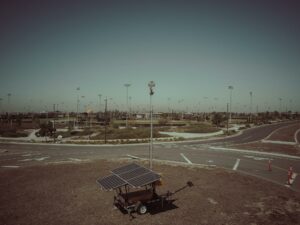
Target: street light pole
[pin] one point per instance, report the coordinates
(127, 86)
(8, 108)
(8, 102)
(1, 105)
(100, 102)
(151, 85)
(280, 101)
(250, 106)
(105, 122)
(78, 89)
(230, 107)
(130, 101)
(227, 120)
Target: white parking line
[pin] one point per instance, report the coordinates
(296, 135)
(236, 164)
(132, 156)
(185, 158)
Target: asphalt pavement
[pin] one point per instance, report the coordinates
(212, 153)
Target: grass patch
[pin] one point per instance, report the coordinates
(128, 133)
(197, 128)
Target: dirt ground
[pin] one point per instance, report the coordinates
(68, 194)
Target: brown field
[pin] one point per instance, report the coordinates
(67, 194)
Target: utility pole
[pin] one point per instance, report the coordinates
(127, 86)
(250, 106)
(280, 110)
(100, 102)
(151, 85)
(230, 89)
(105, 123)
(1, 105)
(227, 119)
(78, 89)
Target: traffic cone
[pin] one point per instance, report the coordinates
(290, 174)
(270, 165)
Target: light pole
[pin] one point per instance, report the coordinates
(151, 85)
(250, 106)
(179, 104)
(230, 107)
(169, 108)
(1, 105)
(8, 102)
(77, 89)
(130, 101)
(280, 101)
(127, 86)
(100, 102)
(291, 105)
(8, 108)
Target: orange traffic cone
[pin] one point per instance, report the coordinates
(290, 174)
(291, 171)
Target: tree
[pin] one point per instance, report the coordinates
(46, 130)
(218, 118)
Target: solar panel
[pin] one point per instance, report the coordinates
(134, 173)
(111, 182)
(131, 174)
(125, 169)
(144, 179)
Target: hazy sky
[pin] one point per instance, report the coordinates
(192, 50)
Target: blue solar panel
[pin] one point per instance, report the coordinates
(132, 174)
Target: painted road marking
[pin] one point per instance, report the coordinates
(132, 156)
(256, 158)
(77, 160)
(296, 135)
(293, 178)
(41, 159)
(236, 164)
(278, 142)
(25, 160)
(10, 166)
(185, 158)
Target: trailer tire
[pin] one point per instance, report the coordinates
(142, 209)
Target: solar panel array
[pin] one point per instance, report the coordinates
(131, 174)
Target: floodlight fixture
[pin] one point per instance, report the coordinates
(151, 85)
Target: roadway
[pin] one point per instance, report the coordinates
(212, 153)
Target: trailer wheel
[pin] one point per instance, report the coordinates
(142, 209)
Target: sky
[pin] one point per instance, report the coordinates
(192, 50)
